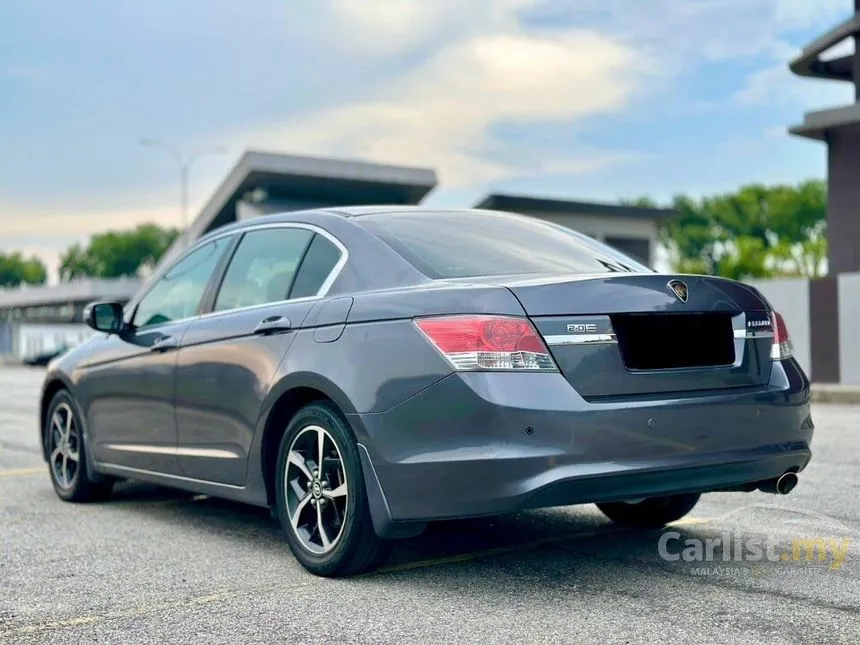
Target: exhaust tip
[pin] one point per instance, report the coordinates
(786, 483)
(781, 485)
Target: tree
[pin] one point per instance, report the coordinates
(757, 231)
(15, 270)
(117, 253)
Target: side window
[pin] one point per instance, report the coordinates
(178, 292)
(321, 258)
(262, 268)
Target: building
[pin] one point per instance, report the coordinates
(38, 319)
(262, 183)
(630, 229)
(839, 129)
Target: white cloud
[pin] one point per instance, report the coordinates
(777, 85)
(805, 13)
(370, 28)
(487, 68)
(21, 221)
(484, 70)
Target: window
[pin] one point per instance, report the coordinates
(321, 258)
(462, 245)
(177, 294)
(262, 268)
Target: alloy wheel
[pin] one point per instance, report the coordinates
(65, 446)
(316, 490)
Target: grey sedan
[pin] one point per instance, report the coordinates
(365, 371)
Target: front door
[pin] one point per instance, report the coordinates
(129, 383)
(228, 357)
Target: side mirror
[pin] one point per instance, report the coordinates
(104, 316)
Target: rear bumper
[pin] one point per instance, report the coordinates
(481, 443)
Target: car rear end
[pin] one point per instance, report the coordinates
(611, 382)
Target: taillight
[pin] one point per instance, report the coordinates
(781, 348)
(487, 342)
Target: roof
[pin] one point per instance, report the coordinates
(75, 291)
(327, 181)
(526, 205)
(817, 124)
(809, 61)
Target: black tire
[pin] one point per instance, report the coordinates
(651, 513)
(356, 548)
(72, 479)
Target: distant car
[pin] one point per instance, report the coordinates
(366, 371)
(43, 358)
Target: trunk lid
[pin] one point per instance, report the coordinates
(636, 334)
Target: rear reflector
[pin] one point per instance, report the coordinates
(487, 342)
(781, 348)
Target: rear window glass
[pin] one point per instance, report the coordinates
(472, 244)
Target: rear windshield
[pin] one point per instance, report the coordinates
(472, 244)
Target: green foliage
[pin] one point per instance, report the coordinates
(117, 253)
(758, 231)
(15, 270)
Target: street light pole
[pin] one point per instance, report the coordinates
(184, 166)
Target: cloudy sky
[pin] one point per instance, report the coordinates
(589, 99)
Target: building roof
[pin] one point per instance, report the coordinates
(526, 205)
(330, 182)
(809, 61)
(323, 181)
(817, 124)
(76, 291)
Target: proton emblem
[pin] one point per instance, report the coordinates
(679, 289)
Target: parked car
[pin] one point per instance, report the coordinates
(43, 358)
(366, 371)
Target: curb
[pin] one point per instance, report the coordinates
(835, 394)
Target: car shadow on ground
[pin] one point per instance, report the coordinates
(578, 530)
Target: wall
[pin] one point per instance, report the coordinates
(790, 297)
(849, 328)
(823, 318)
(246, 209)
(600, 227)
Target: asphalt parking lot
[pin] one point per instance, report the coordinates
(157, 566)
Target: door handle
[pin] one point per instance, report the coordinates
(273, 324)
(163, 344)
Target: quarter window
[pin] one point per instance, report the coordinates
(263, 267)
(320, 260)
(178, 292)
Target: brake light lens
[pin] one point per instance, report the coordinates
(478, 343)
(781, 348)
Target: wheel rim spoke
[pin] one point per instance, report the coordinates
(57, 423)
(64, 445)
(315, 477)
(340, 491)
(298, 461)
(298, 512)
(321, 529)
(65, 470)
(320, 449)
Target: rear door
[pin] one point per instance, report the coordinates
(229, 356)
